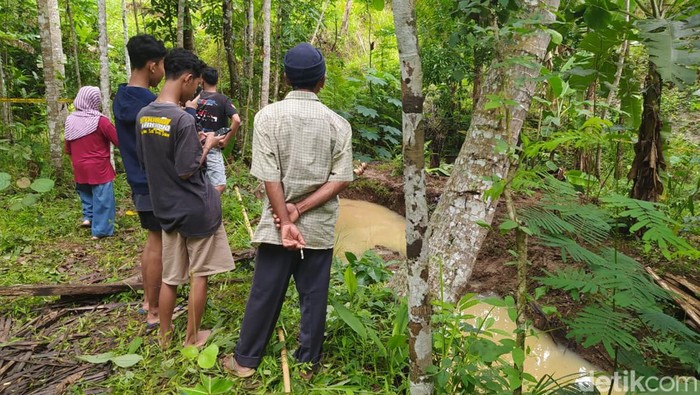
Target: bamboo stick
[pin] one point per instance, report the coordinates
(285, 365)
(245, 213)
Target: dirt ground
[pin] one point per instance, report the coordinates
(491, 274)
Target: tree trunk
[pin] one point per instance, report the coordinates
(648, 154)
(74, 42)
(234, 87)
(125, 24)
(478, 76)
(454, 237)
(187, 32)
(277, 51)
(180, 34)
(104, 60)
(54, 74)
(6, 108)
(265, 79)
(419, 307)
(250, 46)
(319, 23)
(136, 19)
(346, 19)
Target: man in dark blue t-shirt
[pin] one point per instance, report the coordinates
(146, 55)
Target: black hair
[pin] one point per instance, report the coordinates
(180, 61)
(210, 75)
(144, 48)
(307, 86)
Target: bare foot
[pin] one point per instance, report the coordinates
(202, 337)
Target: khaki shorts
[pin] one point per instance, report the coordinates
(200, 256)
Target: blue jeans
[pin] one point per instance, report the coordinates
(99, 207)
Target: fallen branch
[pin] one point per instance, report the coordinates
(681, 298)
(245, 213)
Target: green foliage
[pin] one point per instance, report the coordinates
(123, 361)
(655, 225)
(670, 44)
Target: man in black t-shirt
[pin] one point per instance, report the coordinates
(184, 201)
(213, 112)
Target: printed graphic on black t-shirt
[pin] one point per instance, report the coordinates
(213, 111)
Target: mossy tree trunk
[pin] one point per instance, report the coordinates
(454, 235)
(419, 307)
(54, 75)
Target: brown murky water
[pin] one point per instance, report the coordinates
(363, 225)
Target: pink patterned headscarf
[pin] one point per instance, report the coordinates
(86, 116)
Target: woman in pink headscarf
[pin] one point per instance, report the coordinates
(88, 134)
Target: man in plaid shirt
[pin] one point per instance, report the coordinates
(302, 152)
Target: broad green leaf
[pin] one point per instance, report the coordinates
(99, 358)
(367, 112)
(350, 318)
(669, 44)
(378, 5)
(135, 344)
(189, 352)
(518, 356)
(220, 386)
(557, 85)
(125, 361)
(508, 225)
(207, 358)
(42, 185)
(556, 36)
(483, 224)
(597, 15)
(5, 180)
(493, 301)
(350, 280)
(199, 390)
(29, 199)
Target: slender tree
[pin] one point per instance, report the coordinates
(54, 72)
(6, 109)
(319, 22)
(125, 25)
(74, 42)
(187, 31)
(419, 310)
(180, 34)
(234, 84)
(265, 79)
(277, 50)
(454, 234)
(136, 19)
(104, 59)
(346, 19)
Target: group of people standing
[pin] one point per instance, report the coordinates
(301, 152)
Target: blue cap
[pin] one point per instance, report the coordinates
(304, 65)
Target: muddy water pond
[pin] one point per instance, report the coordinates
(363, 225)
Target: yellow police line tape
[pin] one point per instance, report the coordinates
(30, 100)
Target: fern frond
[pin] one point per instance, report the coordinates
(668, 325)
(590, 221)
(571, 248)
(542, 221)
(571, 279)
(600, 324)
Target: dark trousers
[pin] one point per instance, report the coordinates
(274, 266)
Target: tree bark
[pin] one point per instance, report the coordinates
(74, 42)
(250, 46)
(419, 307)
(234, 87)
(54, 73)
(265, 79)
(125, 24)
(277, 51)
(180, 34)
(136, 19)
(454, 237)
(648, 154)
(6, 109)
(346, 19)
(104, 59)
(187, 31)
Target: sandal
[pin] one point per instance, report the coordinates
(231, 366)
(85, 224)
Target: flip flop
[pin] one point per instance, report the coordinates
(85, 224)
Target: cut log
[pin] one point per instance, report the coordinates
(683, 282)
(130, 284)
(682, 299)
